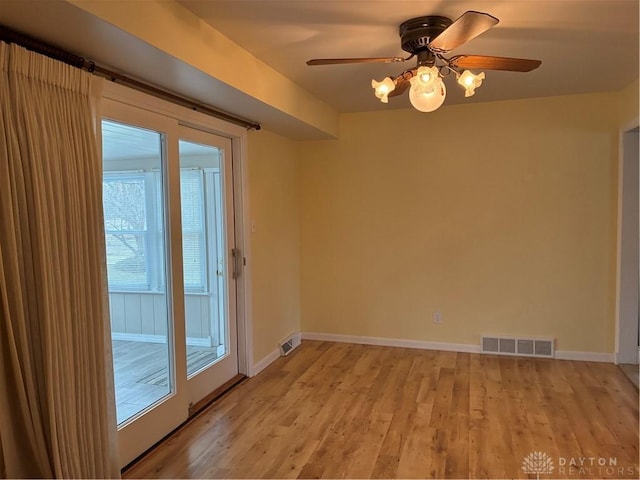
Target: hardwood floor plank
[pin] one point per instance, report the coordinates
(456, 460)
(353, 411)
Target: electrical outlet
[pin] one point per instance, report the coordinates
(437, 317)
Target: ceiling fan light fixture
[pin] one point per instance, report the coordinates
(470, 82)
(383, 88)
(427, 98)
(428, 39)
(426, 78)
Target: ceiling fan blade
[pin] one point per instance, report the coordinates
(340, 61)
(482, 62)
(469, 25)
(402, 82)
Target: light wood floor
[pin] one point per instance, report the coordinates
(341, 410)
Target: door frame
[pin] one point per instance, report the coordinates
(238, 136)
(624, 325)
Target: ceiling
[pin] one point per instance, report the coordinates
(585, 45)
(125, 142)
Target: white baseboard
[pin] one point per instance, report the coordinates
(275, 354)
(265, 362)
(585, 356)
(448, 347)
(143, 337)
(392, 342)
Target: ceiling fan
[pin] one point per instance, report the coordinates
(428, 39)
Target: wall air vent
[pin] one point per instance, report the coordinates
(286, 347)
(289, 343)
(519, 346)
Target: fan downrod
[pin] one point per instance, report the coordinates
(417, 33)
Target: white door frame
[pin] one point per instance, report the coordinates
(238, 136)
(626, 331)
(243, 240)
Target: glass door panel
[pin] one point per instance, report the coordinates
(203, 253)
(133, 214)
(207, 240)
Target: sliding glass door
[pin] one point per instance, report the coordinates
(168, 210)
(207, 232)
(133, 200)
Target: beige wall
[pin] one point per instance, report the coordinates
(500, 215)
(275, 267)
(504, 222)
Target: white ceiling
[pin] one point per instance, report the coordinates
(585, 45)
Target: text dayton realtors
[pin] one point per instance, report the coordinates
(601, 466)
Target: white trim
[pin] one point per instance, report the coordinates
(620, 357)
(243, 240)
(446, 347)
(585, 356)
(146, 338)
(265, 362)
(272, 356)
(294, 336)
(185, 116)
(391, 342)
(200, 342)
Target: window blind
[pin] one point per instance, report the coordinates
(193, 238)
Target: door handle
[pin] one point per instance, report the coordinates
(237, 262)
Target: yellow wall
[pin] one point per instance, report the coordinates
(499, 215)
(275, 265)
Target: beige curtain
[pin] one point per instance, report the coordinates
(57, 413)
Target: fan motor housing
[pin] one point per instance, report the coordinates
(417, 33)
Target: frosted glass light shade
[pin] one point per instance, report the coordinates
(427, 96)
(426, 77)
(470, 82)
(383, 88)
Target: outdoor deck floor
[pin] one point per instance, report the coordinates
(141, 373)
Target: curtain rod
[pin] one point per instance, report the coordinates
(30, 43)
